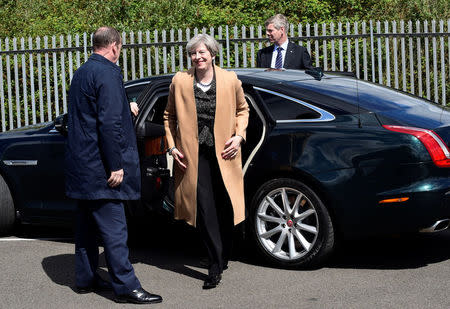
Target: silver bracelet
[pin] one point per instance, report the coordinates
(170, 150)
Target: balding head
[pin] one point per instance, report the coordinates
(104, 37)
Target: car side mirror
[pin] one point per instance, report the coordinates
(61, 124)
(150, 130)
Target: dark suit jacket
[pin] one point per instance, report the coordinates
(101, 136)
(297, 57)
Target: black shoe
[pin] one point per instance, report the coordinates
(138, 296)
(212, 281)
(98, 286)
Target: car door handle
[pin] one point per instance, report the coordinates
(20, 162)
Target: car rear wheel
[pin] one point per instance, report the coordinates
(7, 217)
(290, 225)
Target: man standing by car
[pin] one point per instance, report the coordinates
(102, 170)
(283, 53)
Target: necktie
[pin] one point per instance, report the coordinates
(279, 59)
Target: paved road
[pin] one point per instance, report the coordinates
(390, 272)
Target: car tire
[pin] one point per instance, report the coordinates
(7, 212)
(289, 224)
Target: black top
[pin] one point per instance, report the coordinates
(206, 109)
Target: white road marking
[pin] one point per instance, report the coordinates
(34, 239)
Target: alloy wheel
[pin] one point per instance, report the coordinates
(287, 224)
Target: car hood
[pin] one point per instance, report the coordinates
(27, 130)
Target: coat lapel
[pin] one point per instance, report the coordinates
(219, 90)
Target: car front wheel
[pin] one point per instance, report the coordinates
(290, 225)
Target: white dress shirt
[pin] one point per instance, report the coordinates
(275, 52)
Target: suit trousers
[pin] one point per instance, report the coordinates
(104, 218)
(214, 212)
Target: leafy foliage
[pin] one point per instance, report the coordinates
(53, 17)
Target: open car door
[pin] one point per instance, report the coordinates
(157, 183)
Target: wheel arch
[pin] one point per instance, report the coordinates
(8, 182)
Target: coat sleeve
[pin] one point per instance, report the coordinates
(242, 110)
(306, 60)
(170, 118)
(109, 115)
(258, 59)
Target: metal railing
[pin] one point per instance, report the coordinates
(35, 73)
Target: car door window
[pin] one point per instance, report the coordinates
(134, 91)
(156, 112)
(282, 108)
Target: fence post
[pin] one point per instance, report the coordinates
(356, 50)
(419, 63)
(372, 51)
(441, 29)
(41, 95)
(333, 56)
(24, 82)
(394, 31)
(427, 61)
(380, 53)
(435, 72)
(16, 83)
(63, 76)
(388, 60)
(363, 31)
(411, 58)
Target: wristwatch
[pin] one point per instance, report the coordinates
(169, 150)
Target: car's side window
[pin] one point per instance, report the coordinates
(282, 108)
(134, 91)
(156, 113)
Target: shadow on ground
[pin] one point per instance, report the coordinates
(177, 247)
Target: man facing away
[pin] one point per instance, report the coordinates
(102, 170)
(283, 53)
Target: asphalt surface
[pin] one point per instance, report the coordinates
(36, 271)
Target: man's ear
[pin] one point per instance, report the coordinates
(115, 48)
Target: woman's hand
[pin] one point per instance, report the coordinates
(178, 157)
(134, 108)
(232, 147)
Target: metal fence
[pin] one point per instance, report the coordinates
(35, 73)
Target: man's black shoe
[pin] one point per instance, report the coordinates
(212, 281)
(98, 286)
(138, 296)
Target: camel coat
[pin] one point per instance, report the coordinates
(180, 122)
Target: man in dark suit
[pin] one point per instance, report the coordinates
(283, 53)
(102, 170)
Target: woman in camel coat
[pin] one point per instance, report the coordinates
(205, 120)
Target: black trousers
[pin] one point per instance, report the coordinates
(107, 219)
(214, 212)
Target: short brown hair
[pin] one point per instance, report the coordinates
(104, 36)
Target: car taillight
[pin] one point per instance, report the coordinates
(436, 147)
